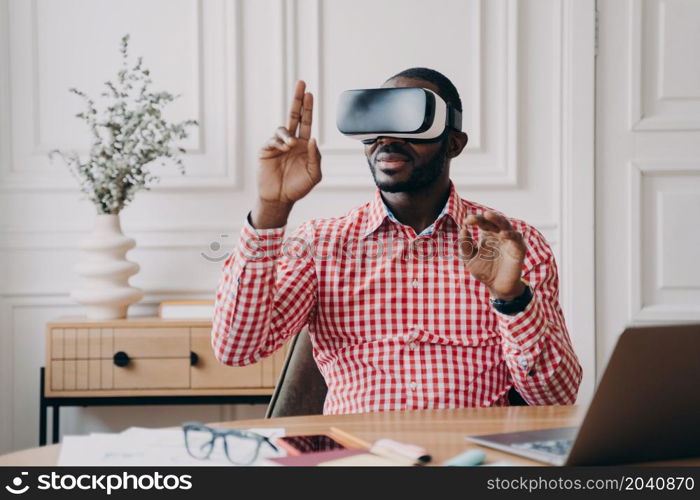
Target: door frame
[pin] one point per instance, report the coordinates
(579, 20)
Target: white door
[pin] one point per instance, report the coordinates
(647, 166)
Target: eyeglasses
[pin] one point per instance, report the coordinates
(241, 447)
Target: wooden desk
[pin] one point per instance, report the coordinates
(442, 432)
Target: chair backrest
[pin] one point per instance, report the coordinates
(301, 389)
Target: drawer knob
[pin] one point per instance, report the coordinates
(121, 358)
(194, 359)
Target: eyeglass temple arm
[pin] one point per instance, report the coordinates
(267, 440)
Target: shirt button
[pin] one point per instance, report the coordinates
(412, 345)
(415, 283)
(413, 386)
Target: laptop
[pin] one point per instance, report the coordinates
(646, 407)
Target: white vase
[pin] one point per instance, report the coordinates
(105, 292)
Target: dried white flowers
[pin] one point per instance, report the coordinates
(128, 135)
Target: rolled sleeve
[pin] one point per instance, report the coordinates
(535, 341)
(263, 297)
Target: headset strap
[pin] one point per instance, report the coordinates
(454, 117)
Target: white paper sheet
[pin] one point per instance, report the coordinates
(139, 446)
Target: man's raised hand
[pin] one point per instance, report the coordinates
(498, 259)
(290, 162)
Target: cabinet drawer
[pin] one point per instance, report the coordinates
(152, 342)
(142, 373)
(80, 343)
(209, 373)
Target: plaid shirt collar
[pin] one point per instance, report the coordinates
(379, 213)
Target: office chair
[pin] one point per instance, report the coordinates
(301, 389)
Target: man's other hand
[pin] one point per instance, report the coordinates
(498, 259)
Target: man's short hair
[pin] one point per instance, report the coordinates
(446, 88)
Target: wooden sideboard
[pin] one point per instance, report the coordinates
(143, 360)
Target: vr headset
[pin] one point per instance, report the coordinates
(413, 113)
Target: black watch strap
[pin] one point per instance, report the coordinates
(514, 306)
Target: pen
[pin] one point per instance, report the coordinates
(400, 452)
(349, 440)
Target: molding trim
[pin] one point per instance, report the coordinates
(41, 149)
(476, 35)
(5, 106)
(577, 207)
(227, 176)
(6, 340)
(165, 239)
(504, 172)
(154, 239)
(501, 172)
(6, 375)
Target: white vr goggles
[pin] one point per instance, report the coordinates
(414, 113)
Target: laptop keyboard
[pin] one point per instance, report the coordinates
(558, 447)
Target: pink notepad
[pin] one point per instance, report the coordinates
(313, 459)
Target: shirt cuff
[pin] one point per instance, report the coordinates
(523, 330)
(260, 245)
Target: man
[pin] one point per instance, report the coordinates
(396, 326)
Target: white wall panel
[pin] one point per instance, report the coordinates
(664, 275)
(346, 45)
(678, 247)
(74, 43)
(664, 78)
(679, 35)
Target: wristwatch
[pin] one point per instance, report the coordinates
(518, 304)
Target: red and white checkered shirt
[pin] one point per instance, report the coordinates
(396, 320)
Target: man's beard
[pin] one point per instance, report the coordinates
(422, 176)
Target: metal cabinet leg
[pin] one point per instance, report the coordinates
(42, 409)
(42, 424)
(54, 431)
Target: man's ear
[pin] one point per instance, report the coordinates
(457, 140)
